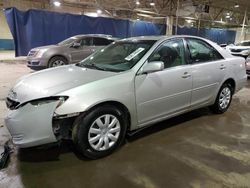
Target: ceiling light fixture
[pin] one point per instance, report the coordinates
(57, 3)
(91, 14)
(99, 11)
(236, 6)
(145, 11)
(152, 4)
(144, 15)
(137, 2)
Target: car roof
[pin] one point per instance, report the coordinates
(96, 35)
(162, 37)
(151, 37)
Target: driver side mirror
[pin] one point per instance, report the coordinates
(75, 45)
(153, 66)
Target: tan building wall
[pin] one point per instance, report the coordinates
(4, 28)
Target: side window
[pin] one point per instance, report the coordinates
(86, 42)
(200, 51)
(101, 41)
(171, 53)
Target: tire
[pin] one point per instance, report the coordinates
(223, 99)
(85, 132)
(57, 61)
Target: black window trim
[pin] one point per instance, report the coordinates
(169, 40)
(97, 37)
(85, 38)
(189, 59)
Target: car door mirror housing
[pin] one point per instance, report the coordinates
(153, 66)
(75, 45)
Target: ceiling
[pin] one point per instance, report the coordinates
(221, 12)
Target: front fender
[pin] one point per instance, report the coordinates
(85, 97)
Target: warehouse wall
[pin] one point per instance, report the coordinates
(220, 36)
(38, 28)
(6, 39)
(240, 37)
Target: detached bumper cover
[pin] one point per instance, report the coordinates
(32, 125)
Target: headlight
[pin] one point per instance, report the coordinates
(245, 52)
(39, 102)
(40, 53)
(248, 61)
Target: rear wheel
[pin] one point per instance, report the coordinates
(223, 99)
(57, 61)
(100, 132)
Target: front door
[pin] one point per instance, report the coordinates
(83, 51)
(168, 92)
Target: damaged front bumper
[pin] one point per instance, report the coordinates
(31, 125)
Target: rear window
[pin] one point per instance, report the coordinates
(200, 51)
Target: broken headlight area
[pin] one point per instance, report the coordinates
(39, 102)
(46, 100)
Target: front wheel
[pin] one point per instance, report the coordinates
(100, 132)
(223, 99)
(57, 61)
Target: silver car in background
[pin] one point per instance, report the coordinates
(240, 49)
(126, 86)
(71, 50)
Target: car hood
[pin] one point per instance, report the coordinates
(48, 47)
(45, 47)
(53, 81)
(239, 47)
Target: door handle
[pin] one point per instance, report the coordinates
(222, 67)
(186, 75)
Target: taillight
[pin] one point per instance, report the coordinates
(247, 63)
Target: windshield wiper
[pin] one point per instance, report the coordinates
(92, 65)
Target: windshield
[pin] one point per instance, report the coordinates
(67, 41)
(119, 56)
(243, 44)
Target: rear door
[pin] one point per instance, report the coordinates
(208, 71)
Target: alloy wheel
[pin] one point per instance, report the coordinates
(225, 97)
(58, 63)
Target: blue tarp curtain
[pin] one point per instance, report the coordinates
(34, 28)
(220, 36)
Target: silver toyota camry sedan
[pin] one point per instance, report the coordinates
(128, 85)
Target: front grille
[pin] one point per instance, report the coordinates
(11, 104)
(236, 50)
(238, 55)
(32, 53)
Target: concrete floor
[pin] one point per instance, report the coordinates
(198, 149)
(9, 56)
